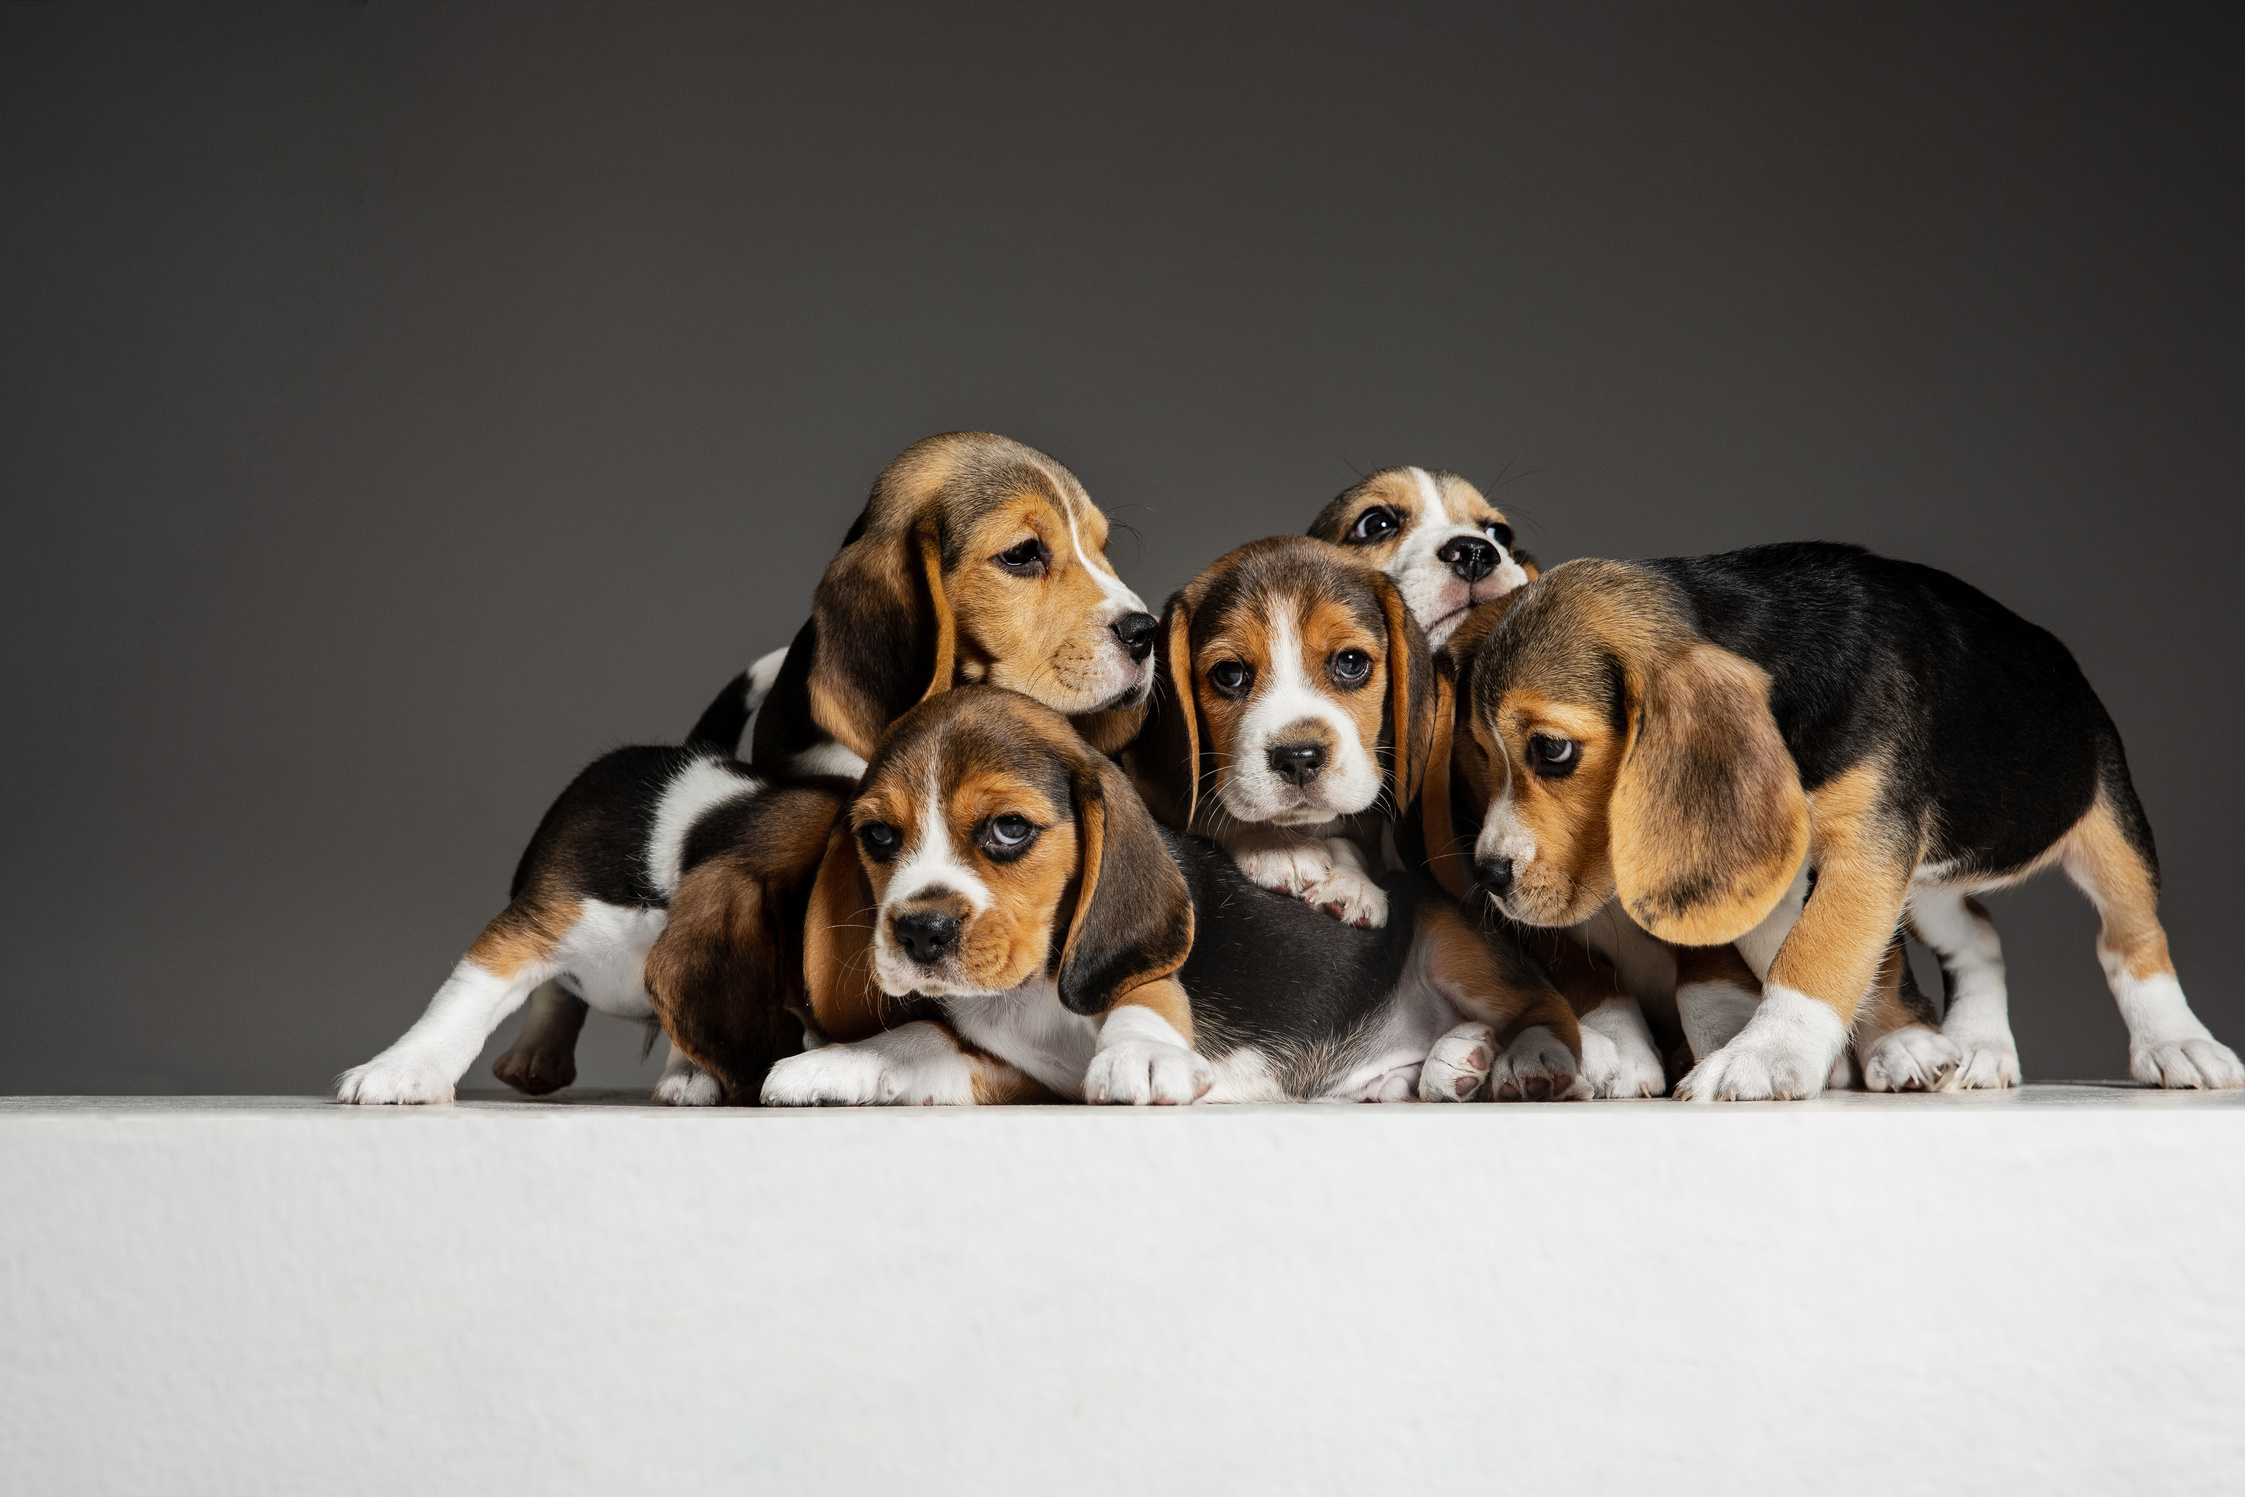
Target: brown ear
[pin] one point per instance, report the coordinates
(1166, 756)
(718, 980)
(1709, 822)
(1133, 920)
(1411, 698)
(838, 944)
(883, 633)
(1444, 857)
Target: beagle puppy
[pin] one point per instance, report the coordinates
(1294, 716)
(1448, 548)
(593, 898)
(1034, 934)
(1699, 736)
(975, 559)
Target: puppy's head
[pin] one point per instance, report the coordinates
(1445, 546)
(977, 560)
(1296, 688)
(1613, 751)
(997, 847)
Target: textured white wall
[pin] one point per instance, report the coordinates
(2043, 1292)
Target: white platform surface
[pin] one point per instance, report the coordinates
(2035, 1292)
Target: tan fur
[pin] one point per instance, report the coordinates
(725, 977)
(1684, 871)
(1461, 504)
(1894, 1001)
(845, 1001)
(1164, 996)
(526, 931)
(2098, 857)
(1466, 969)
(1181, 764)
(920, 580)
(1863, 864)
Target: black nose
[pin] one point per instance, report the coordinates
(927, 934)
(1470, 557)
(1297, 763)
(1136, 631)
(1494, 874)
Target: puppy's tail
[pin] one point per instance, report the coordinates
(725, 719)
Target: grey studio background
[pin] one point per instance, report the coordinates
(404, 403)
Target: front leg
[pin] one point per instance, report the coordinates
(1145, 1053)
(921, 1064)
(1820, 973)
(1348, 893)
(1277, 858)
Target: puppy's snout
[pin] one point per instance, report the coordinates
(927, 934)
(1494, 874)
(1297, 763)
(1136, 631)
(1469, 557)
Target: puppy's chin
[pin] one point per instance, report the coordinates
(1547, 897)
(1112, 688)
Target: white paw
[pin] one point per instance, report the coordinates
(2187, 1064)
(393, 1079)
(1539, 1067)
(1350, 897)
(1137, 1073)
(1291, 867)
(861, 1076)
(1609, 1070)
(1785, 1051)
(1987, 1065)
(1458, 1066)
(688, 1085)
(1912, 1059)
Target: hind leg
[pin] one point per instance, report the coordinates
(2167, 1044)
(543, 1057)
(515, 953)
(1960, 933)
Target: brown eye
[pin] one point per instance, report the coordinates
(1500, 532)
(1230, 677)
(1350, 668)
(1028, 559)
(1553, 758)
(881, 841)
(1375, 524)
(1007, 837)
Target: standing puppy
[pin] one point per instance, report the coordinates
(1021, 894)
(1682, 734)
(1294, 716)
(1448, 548)
(975, 559)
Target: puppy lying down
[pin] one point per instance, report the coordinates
(1043, 938)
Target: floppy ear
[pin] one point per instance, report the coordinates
(1709, 822)
(1165, 757)
(1410, 697)
(1133, 920)
(717, 977)
(883, 633)
(1444, 858)
(838, 944)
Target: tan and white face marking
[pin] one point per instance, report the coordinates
(1551, 767)
(1445, 546)
(1291, 678)
(969, 858)
(1037, 602)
